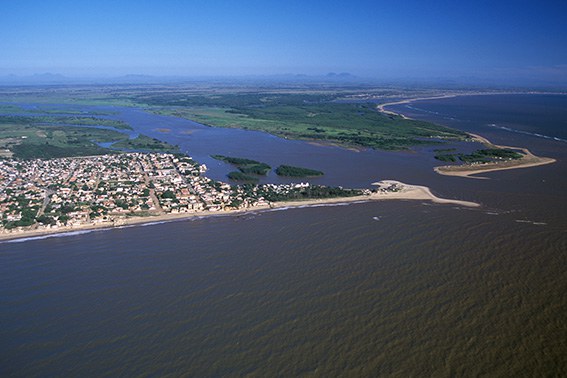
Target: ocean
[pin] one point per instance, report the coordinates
(401, 288)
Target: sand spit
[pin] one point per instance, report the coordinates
(413, 192)
(466, 170)
(382, 109)
(387, 190)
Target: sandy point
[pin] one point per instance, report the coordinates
(466, 170)
(391, 189)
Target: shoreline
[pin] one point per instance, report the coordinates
(409, 100)
(381, 107)
(467, 170)
(404, 192)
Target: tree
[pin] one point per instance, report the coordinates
(168, 194)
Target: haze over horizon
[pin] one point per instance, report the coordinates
(513, 42)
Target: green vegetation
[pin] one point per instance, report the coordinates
(86, 121)
(63, 120)
(145, 143)
(73, 112)
(291, 171)
(245, 166)
(73, 94)
(232, 100)
(46, 151)
(446, 157)
(305, 116)
(28, 210)
(27, 141)
(10, 109)
(313, 113)
(482, 156)
(242, 177)
(45, 219)
(310, 192)
(491, 154)
(168, 194)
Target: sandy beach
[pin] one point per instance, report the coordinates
(403, 192)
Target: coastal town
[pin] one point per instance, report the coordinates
(107, 190)
(44, 196)
(49, 194)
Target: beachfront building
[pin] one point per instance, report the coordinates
(90, 190)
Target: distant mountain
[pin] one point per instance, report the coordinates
(342, 75)
(43, 78)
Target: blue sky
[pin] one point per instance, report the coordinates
(379, 39)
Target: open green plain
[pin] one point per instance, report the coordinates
(309, 116)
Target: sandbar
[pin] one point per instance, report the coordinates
(466, 170)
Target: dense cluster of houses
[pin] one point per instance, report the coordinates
(89, 190)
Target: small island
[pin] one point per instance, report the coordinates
(246, 166)
(291, 171)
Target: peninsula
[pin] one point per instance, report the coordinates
(467, 170)
(39, 196)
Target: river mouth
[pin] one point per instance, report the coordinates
(384, 288)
